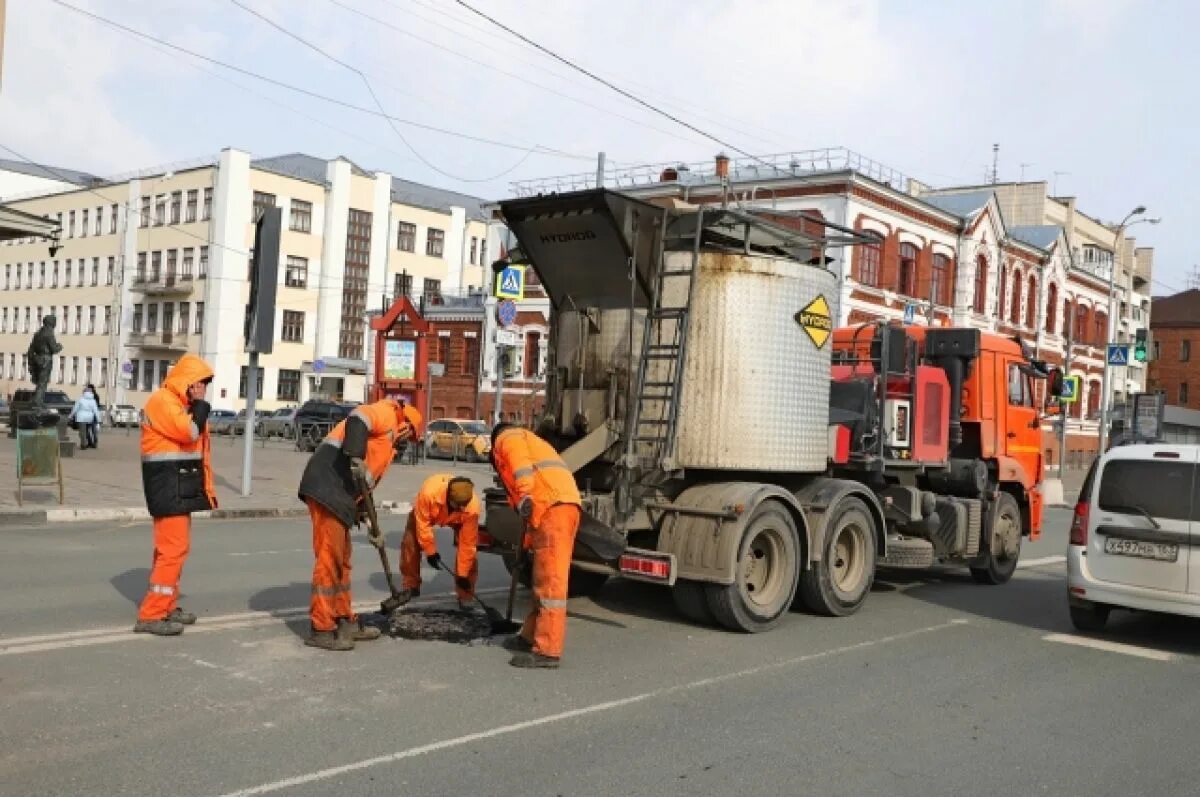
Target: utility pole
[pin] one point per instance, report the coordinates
(1063, 406)
(499, 383)
(599, 167)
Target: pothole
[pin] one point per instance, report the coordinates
(440, 625)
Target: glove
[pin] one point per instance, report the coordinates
(463, 583)
(200, 410)
(376, 540)
(434, 560)
(525, 508)
(359, 469)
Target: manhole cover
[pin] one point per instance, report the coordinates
(442, 625)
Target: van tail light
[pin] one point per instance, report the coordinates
(1079, 524)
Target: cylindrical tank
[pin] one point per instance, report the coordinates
(755, 391)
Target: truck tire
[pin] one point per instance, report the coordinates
(839, 584)
(768, 567)
(998, 559)
(907, 553)
(692, 603)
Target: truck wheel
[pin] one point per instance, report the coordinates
(838, 584)
(764, 584)
(998, 561)
(691, 602)
(1092, 617)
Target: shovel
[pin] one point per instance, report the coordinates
(499, 624)
(392, 603)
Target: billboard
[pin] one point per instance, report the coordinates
(400, 359)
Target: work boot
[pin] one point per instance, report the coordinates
(328, 640)
(405, 595)
(518, 644)
(356, 631)
(178, 615)
(163, 627)
(535, 661)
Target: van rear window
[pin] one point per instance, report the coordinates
(1161, 488)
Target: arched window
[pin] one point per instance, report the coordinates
(939, 280)
(1093, 399)
(981, 275)
(1052, 308)
(1101, 335)
(868, 265)
(1014, 314)
(906, 274)
(1002, 285)
(1068, 318)
(1031, 304)
(1082, 323)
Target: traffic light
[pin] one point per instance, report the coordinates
(1141, 346)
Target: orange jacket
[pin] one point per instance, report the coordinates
(430, 511)
(176, 468)
(529, 466)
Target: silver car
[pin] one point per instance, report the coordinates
(123, 415)
(281, 423)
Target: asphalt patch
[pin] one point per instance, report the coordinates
(442, 625)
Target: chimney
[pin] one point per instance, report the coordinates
(669, 175)
(722, 166)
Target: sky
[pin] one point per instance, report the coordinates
(1097, 97)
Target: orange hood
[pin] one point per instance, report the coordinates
(188, 371)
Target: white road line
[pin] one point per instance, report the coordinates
(1111, 647)
(224, 622)
(1045, 560)
(595, 708)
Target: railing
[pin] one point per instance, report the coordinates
(159, 340)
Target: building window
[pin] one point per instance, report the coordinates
(199, 318)
(26, 327)
(471, 356)
(104, 371)
(172, 264)
(1081, 323)
(1183, 393)
(155, 266)
(193, 199)
(147, 375)
(1031, 304)
(939, 280)
(71, 224)
(474, 245)
(435, 243)
(151, 318)
(301, 216)
(87, 370)
(258, 392)
(1014, 312)
(441, 350)
(176, 206)
(108, 275)
(95, 271)
(206, 210)
(91, 320)
(483, 252)
(99, 221)
(42, 275)
(1185, 350)
(297, 272)
(354, 284)
(107, 319)
(1157, 347)
(74, 370)
(160, 210)
(1101, 322)
(8, 276)
(906, 274)
(262, 201)
(137, 319)
(1052, 308)
(4, 320)
(83, 223)
(868, 264)
(432, 291)
(402, 285)
(139, 275)
(188, 263)
(185, 319)
(144, 218)
(293, 326)
(288, 388)
(203, 268)
(112, 219)
(406, 236)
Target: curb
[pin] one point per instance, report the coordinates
(43, 517)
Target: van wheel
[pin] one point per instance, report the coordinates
(838, 584)
(1091, 617)
(998, 561)
(768, 566)
(691, 602)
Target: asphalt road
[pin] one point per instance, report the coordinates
(937, 686)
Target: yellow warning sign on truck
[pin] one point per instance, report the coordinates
(816, 321)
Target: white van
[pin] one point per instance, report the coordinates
(1134, 531)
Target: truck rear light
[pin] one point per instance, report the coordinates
(639, 565)
(1079, 524)
(485, 540)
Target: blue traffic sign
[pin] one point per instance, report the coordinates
(318, 366)
(506, 312)
(910, 312)
(1070, 389)
(1118, 354)
(510, 283)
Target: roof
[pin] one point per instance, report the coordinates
(48, 172)
(302, 167)
(964, 205)
(1180, 310)
(1043, 236)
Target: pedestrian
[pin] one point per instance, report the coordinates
(84, 415)
(96, 423)
(359, 450)
(443, 500)
(177, 478)
(542, 489)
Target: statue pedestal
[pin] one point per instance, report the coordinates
(30, 418)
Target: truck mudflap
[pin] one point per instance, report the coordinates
(702, 528)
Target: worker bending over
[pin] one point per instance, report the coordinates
(355, 454)
(177, 479)
(443, 500)
(542, 489)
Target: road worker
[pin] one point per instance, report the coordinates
(355, 454)
(177, 479)
(542, 489)
(443, 500)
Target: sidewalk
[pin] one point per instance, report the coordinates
(106, 483)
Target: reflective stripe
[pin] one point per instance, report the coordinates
(195, 432)
(329, 592)
(162, 589)
(545, 464)
(521, 473)
(173, 456)
(552, 603)
(362, 415)
(334, 443)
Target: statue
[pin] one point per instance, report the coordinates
(40, 358)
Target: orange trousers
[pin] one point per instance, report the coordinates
(172, 540)
(410, 559)
(553, 541)
(331, 570)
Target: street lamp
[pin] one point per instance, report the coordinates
(1112, 277)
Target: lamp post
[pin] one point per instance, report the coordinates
(1118, 235)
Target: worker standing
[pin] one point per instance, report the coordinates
(177, 479)
(542, 489)
(443, 500)
(355, 454)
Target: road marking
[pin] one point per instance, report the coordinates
(307, 550)
(224, 622)
(1045, 560)
(595, 708)
(1111, 647)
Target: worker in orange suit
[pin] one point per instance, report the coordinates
(443, 500)
(177, 479)
(358, 451)
(542, 489)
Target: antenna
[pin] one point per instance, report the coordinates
(1193, 280)
(995, 164)
(1023, 166)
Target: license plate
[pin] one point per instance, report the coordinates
(1160, 551)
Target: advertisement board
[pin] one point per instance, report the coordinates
(400, 359)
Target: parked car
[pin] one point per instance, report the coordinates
(280, 423)
(1130, 545)
(123, 415)
(55, 400)
(220, 421)
(314, 420)
(471, 440)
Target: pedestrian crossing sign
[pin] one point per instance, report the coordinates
(1070, 390)
(510, 283)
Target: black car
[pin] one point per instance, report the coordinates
(315, 418)
(56, 400)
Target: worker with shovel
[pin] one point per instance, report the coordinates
(542, 489)
(347, 464)
(443, 500)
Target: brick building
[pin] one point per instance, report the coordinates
(1175, 325)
